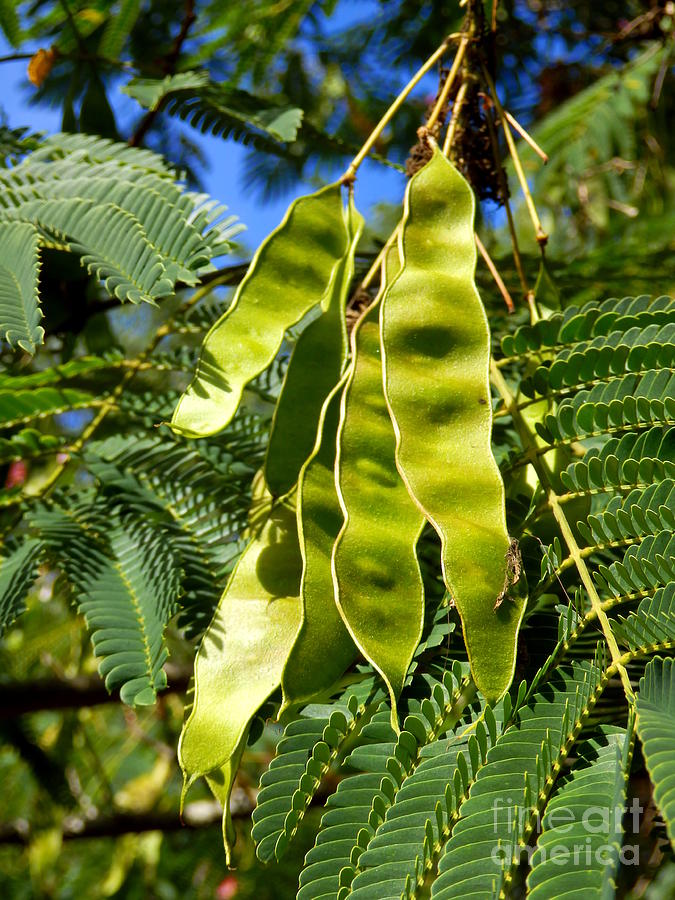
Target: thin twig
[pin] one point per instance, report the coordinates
(504, 189)
(18, 698)
(661, 77)
(71, 21)
(495, 274)
(540, 234)
(201, 814)
(452, 74)
(526, 136)
(169, 67)
(393, 109)
(13, 57)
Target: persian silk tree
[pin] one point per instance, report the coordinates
(450, 772)
(444, 563)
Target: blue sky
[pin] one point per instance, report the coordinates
(224, 177)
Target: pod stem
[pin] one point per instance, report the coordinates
(517, 259)
(456, 109)
(526, 136)
(540, 234)
(350, 174)
(495, 274)
(449, 81)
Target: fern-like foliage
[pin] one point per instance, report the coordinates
(142, 526)
(120, 210)
(594, 165)
(656, 726)
(219, 109)
(597, 782)
(466, 801)
(125, 579)
(150, 527)
(18, 570)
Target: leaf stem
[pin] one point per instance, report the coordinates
(567, 534)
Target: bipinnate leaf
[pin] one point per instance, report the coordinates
(656, 729)
(20, 312)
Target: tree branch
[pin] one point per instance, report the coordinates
(21, 697)
(201, 814)
(169, 67)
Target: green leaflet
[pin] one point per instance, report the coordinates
(118, 28)
(308, 749)
(577, 853)
(242, 654)
(323, 648)
(18, 571)
(656, 730)
(218, 108)
(378, 584)
(20, 312)
(290, 274)
(436, 348)
(316, 365)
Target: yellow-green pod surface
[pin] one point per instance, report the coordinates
(290, 274)
(242, 654)
(378, 584)
(323, 649)
(221, 782)
(436, 347)
(315, 367)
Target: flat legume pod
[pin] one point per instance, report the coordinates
(436, 348)
(221, 782)
(378, 584)
(289, 275)
(323, 649)
(315, 367)
(242, 654)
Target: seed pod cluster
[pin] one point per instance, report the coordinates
(366, 447)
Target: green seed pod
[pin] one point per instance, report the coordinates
(436, 347)
(315, 368)
(242, 654)
(323, 649)
(221, 782)
(378, 584)
(290, 273)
